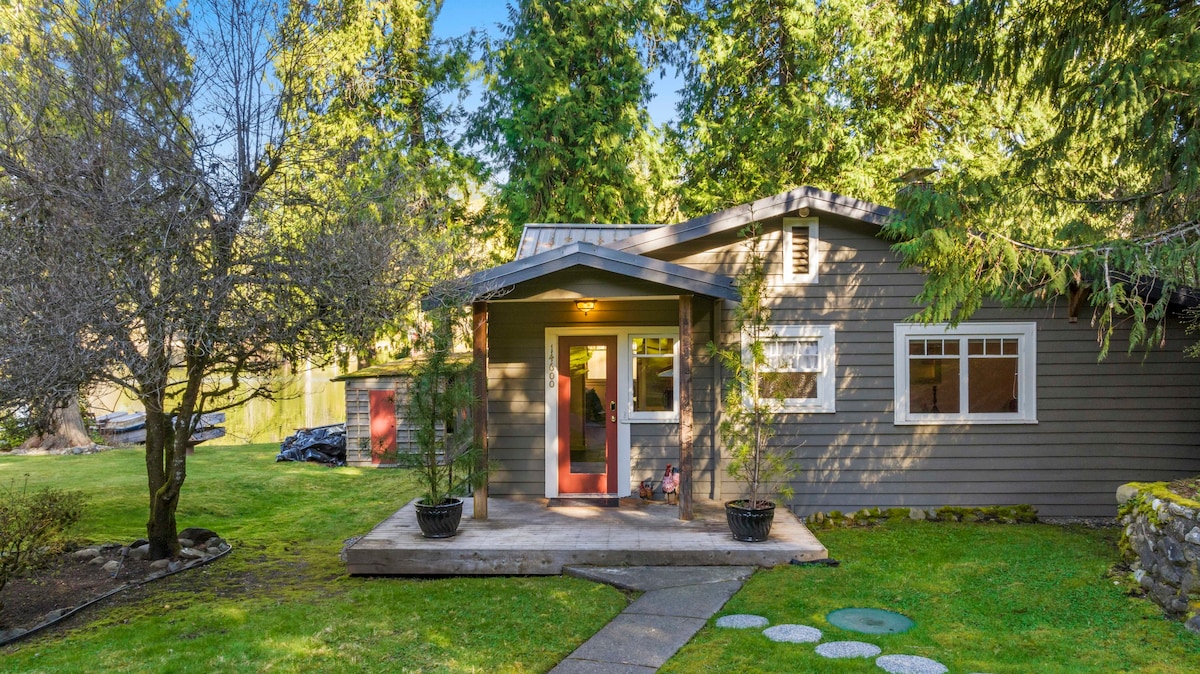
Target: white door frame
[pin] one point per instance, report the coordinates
(624, 390)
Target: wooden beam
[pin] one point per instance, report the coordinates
(718, 392)
(479, 410)
(685, 407)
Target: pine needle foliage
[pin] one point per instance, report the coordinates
(748, 424)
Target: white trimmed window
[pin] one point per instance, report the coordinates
(975, 373)
(800, 367)
(801, 250)
(655, 377)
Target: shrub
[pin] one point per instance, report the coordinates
(33, 526)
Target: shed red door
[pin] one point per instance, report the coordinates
(382, 409)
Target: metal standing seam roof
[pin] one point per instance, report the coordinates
(539, 238)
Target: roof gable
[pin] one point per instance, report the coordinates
(739, 216)
(679, 277)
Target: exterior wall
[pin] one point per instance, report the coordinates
(516, 391)
(1100, 424)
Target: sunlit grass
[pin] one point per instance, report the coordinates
(986, 598)
(281, 602)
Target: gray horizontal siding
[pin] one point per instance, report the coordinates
(1129, 417)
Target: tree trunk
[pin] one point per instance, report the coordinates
(66, 429)
(161, 531)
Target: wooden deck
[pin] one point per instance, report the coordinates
(524, 537)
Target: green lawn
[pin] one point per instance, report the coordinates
(986, 598)
(281, 602)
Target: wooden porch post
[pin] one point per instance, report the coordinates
(479, 408)
(685, 407)
(718, 387)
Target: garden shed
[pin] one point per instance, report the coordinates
(376, 400)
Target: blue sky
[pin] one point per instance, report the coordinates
(460, 16)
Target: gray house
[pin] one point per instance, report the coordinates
(597, 374)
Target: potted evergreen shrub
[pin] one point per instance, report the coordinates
(446, 460)
(750, 403)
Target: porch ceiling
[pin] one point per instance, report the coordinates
(497, 281)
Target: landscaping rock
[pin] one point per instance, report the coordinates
(186, 542)
(55, 614)
(913, 514)
(140, 552)
(742, 621)
(848, 649)
(1125, 492)
(793, 634)
(160, 564)
(1193, 536)
(197, 535)
(112, 566)
(191, 553)
(909, 664)
(87, 553)
(98, 561)
(1193, 623)
(15, 632)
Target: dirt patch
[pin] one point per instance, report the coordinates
(63, 582)
(1187, 487)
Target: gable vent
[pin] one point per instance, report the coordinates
(801, 242)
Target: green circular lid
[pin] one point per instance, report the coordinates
(870, 621)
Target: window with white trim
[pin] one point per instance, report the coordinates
(975, 373)
(655, 377)
(801, 250)
(800, 367)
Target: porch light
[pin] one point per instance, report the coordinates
(585, 305)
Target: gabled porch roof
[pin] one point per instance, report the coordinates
(588, 255)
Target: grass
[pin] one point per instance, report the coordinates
(986, 598)
(281, 602)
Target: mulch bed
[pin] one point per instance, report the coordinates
(62, 582)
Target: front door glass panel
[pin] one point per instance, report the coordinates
(589, 390)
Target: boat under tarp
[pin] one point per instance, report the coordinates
(129, 428)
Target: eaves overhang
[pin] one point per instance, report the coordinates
(496, 281)
(739, 216)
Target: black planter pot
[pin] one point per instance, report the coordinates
(441, 520)
(749, 524)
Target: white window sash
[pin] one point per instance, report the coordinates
(1024, 333)
(823, 336)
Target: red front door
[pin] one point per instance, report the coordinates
(587, 415)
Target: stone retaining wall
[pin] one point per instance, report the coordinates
(1161, 542)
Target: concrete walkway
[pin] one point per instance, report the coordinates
(678, 601)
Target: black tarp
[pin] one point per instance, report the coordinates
(326, 445)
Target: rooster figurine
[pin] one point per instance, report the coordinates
(670, 483)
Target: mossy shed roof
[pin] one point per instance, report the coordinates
(399, 368)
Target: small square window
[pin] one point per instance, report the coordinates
(800, 367)
(654, 377)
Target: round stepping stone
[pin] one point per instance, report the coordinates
(909, 664)
(793, 634)
(742, 621)
(848, 649)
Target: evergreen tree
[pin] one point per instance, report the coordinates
(1104, 196)
(564, 116)
(780, 94)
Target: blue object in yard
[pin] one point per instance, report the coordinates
(870, 621)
